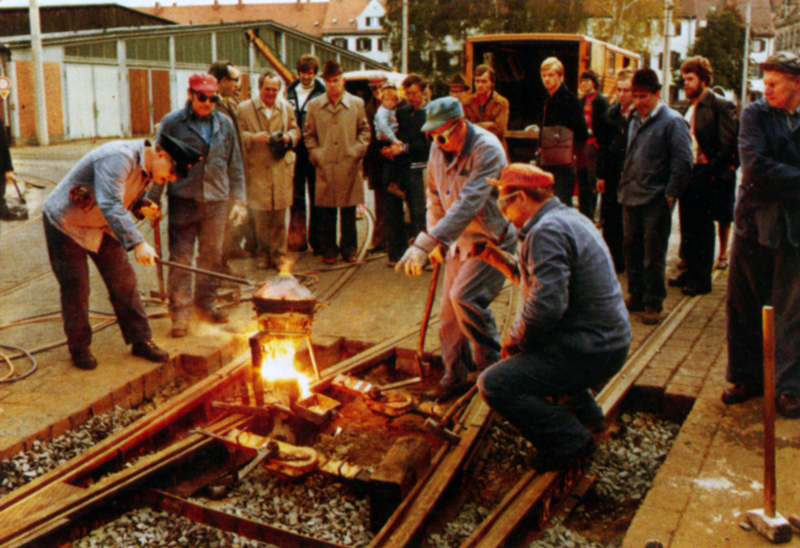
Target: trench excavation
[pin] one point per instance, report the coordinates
(347, 460)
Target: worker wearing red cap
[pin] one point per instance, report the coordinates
(573, 330)
(199, 202)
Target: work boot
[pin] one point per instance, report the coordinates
(212, 315)
(651, 316)
(788, 406)
(180, 328)
(634, 303)
(740, 393)
(149, 351)
(82, 357)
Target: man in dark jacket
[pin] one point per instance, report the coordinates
(561, 110)
(712, 120)
(594, 106)
(610, 159)
(572, 332)
(374, 164)
(411, 155)
(765, 258)
(300, 93)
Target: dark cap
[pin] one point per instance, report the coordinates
(183, 155)
(783, 61)
(458, 81)
(331, 68)
(645, 80)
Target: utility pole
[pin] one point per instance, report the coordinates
(667, 70)
(38, 75)
(746, 60)
(405, 37)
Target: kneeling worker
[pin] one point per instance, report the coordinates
(573, 331)
(87, 215)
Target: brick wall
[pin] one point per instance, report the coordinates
(26, 108)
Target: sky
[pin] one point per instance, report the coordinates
(134, 3)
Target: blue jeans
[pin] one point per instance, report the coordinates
(518, 388)
(759, 276)
(646, 237)
(203, 222)
(469, 288)
(72, 272)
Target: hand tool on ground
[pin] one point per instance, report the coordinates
(423, 330)
(766, 520)
(225, 277)
(19, 192)
(440, 428)
(268, 449)
(159, 268)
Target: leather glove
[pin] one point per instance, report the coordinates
(412, 261)
(238, 214)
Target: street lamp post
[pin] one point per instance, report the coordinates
(746, 60)
(38, 75)
(668, 6)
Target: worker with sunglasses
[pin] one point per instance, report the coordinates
(198, 202)
(573, 331)
(462, 209)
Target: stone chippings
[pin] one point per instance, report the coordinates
(317, 507)
(146, 527)
(625, 464)
(45, 456)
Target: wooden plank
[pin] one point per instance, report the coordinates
(233, 524)
(161, 94)
(140, 101)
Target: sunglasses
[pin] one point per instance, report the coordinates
(202, 97)
(504, 201)
(444, 137)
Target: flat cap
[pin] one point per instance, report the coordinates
(441, 111)
(458, 81)
(783, 61)
(523, 176)
(183, 155)
(645, 80)
(203, 83)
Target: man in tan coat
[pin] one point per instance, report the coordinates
(487, 108)
(269, 131)
(337, 135)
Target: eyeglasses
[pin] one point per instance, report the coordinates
(444, 137)
(504, 201)
(202, 97)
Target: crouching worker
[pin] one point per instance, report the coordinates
(89, 215)
(573, 331)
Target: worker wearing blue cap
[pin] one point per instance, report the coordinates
(462, 210)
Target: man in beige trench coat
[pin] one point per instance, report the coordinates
(269, 131)
(337, 134)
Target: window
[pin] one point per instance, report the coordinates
(148, 49)
(757, 46)
(232, 46)
(93, 50)
(340, 43)
(612, 63)
(383, 44)
(678, 28)
(194, 49)
(372, 22)
(364, 44)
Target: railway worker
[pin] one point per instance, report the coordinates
(712, 120)
(658, 165)
(765, 257)
(198, 202)
(87, 215)
(558, 148)
(299, 94)
(229, 83)
(269, 131)
(462, 208)
(486, 108)
(337, 137)
(573, 330)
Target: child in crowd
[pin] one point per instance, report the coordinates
(385, 131)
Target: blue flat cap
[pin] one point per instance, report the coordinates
(441, 111)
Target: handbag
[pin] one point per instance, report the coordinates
(555, 144)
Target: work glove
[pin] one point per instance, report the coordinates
(413, 261)
(147, 209)
(238, 214)
(437, 255)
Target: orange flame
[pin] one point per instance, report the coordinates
(278, 363)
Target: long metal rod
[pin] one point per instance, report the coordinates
(225, 277)
(769, 410)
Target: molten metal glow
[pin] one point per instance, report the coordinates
(278, 363)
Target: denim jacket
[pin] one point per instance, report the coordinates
(768, 205)
(571, 293)
(659, 157)
(220, 175)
